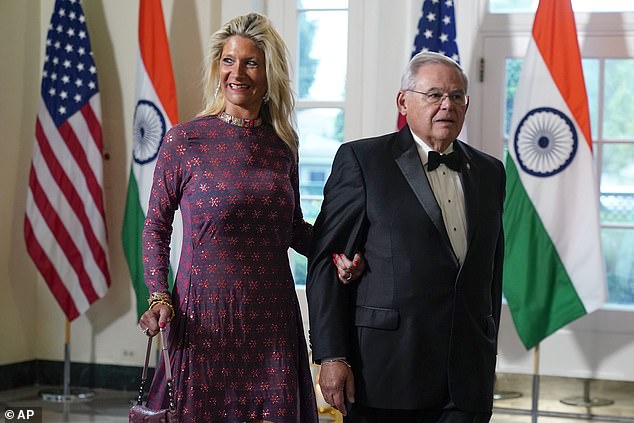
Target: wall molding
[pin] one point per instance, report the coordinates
(87, 375)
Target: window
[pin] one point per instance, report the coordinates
(321, 77)
(615, 154)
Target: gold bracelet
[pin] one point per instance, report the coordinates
(159, 296)
(155, 302)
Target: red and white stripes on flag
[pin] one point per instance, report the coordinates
(65, 228)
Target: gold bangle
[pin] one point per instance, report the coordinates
(155, 302)
(159, 296)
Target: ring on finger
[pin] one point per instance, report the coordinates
(348, 276)
(145, 331)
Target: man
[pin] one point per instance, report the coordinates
(415, 339)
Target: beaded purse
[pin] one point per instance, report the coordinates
(139, 413)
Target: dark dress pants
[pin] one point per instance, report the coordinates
(448, 414)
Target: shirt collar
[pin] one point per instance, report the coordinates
(424, 149)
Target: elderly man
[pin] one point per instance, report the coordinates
(415, 338)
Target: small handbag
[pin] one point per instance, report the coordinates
(139, 413)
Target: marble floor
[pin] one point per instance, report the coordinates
(556, 394)
(108, 406)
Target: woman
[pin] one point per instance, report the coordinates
(236, 340)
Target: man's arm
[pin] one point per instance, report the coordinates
(339, 227)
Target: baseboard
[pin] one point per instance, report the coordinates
(87, 375)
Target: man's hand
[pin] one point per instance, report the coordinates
(337, 384)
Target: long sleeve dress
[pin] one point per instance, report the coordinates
(236, 341)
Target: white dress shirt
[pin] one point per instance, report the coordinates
(447, 188)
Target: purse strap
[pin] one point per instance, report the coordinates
(168, 370)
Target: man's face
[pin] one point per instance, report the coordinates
(438, 124)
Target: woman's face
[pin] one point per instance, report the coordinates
(242, 77)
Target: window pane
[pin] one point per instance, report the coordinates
(323, 53)
(320, 135)
(591, 78)
(298, 267)
(618, 249)
(619, 108)
(321, 123)
(527, 6)
(512, 6)
(617, 184)
(322, 4)
(513, 69)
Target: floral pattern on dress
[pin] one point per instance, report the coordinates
(236, 342)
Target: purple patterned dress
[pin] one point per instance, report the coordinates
(236, 342)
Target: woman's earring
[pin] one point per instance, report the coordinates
(217, 90)
(266, 98)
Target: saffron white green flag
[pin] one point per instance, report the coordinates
(155, 112)
(554, 271)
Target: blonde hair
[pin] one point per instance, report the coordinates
(278, 110)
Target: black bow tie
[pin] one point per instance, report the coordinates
(451, 160)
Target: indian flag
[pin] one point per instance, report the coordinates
(155, 112)
(554, 271)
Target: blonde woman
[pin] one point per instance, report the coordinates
(237, 346)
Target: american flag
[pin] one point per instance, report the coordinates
(436, 32)
(437, 29)
(64, 228)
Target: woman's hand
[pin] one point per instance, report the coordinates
(153, 317)
(349, 270)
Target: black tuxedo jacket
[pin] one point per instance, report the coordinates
(417, 326)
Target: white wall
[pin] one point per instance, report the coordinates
(18, 98)
(32, 320)
(600, 345)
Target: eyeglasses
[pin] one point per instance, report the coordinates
(436, 97)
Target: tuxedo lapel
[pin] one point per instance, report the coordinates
(408, 161)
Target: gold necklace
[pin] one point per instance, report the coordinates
(236, 121)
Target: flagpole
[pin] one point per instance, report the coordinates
(66, 394)
(535, 396)
(67, 360)
(586, 400)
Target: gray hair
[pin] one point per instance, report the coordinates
(408, 80)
